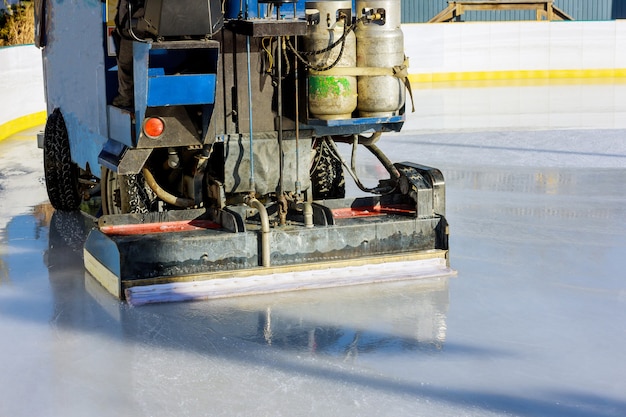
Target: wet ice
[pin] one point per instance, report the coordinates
(533, 324)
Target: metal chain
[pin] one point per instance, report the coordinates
(139, 200)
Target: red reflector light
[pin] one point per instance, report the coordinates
(153, 127)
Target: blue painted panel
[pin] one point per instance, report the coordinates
(154, 72)
(141, 53)
(357, 121)
(120, 127)
(590, 10)
(618, 10)
(111, 154)
(419, 11)
(104, 250)
(255, 8)
(75, 77)
(173, 90)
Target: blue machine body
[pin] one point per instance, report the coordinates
(81, 71)
(220, 165)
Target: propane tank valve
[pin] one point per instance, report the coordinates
(374, 15)
(312, 16)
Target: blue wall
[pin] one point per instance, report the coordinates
(418, 11)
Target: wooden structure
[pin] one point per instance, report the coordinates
(546, 10)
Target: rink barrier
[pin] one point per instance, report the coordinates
(522, 50)
(22, 123)
(517, 76)
(23, 103)
(479, 53)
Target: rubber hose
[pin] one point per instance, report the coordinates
(164, 195)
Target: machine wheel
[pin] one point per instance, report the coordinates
(61, 173)
(125, 193)
(327, 172)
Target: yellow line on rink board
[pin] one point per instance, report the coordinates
(470, 79)
(518, 78)
(20, 124)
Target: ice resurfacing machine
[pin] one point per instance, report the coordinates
(224, 176)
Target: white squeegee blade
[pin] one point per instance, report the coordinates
(288, 281)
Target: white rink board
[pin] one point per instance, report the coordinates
(515, 46)
(432, 48)
(21, 82)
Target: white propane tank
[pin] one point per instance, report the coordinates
(380, 44)
(330, 97)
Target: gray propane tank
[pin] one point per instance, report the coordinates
(380, 44)
(330, 97)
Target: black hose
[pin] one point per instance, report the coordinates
(302, 54)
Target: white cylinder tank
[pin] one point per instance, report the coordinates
(331, 97)
(380, 44)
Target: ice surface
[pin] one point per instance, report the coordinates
(532, 326)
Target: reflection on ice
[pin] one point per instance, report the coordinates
(532, 327)
(342, 322)
(348, 321)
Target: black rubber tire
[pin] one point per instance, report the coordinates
(60, 172)
(327, 176)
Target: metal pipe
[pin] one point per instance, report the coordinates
(279, 94)
(224, 96)
(308, 214)
(364, 140)
(297, 104)
(265, 230)
(282, 201)
(235, 89)
(252, 182)
(164, 195)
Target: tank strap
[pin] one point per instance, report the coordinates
(398, 71)
(402, 72)
(354, 72)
